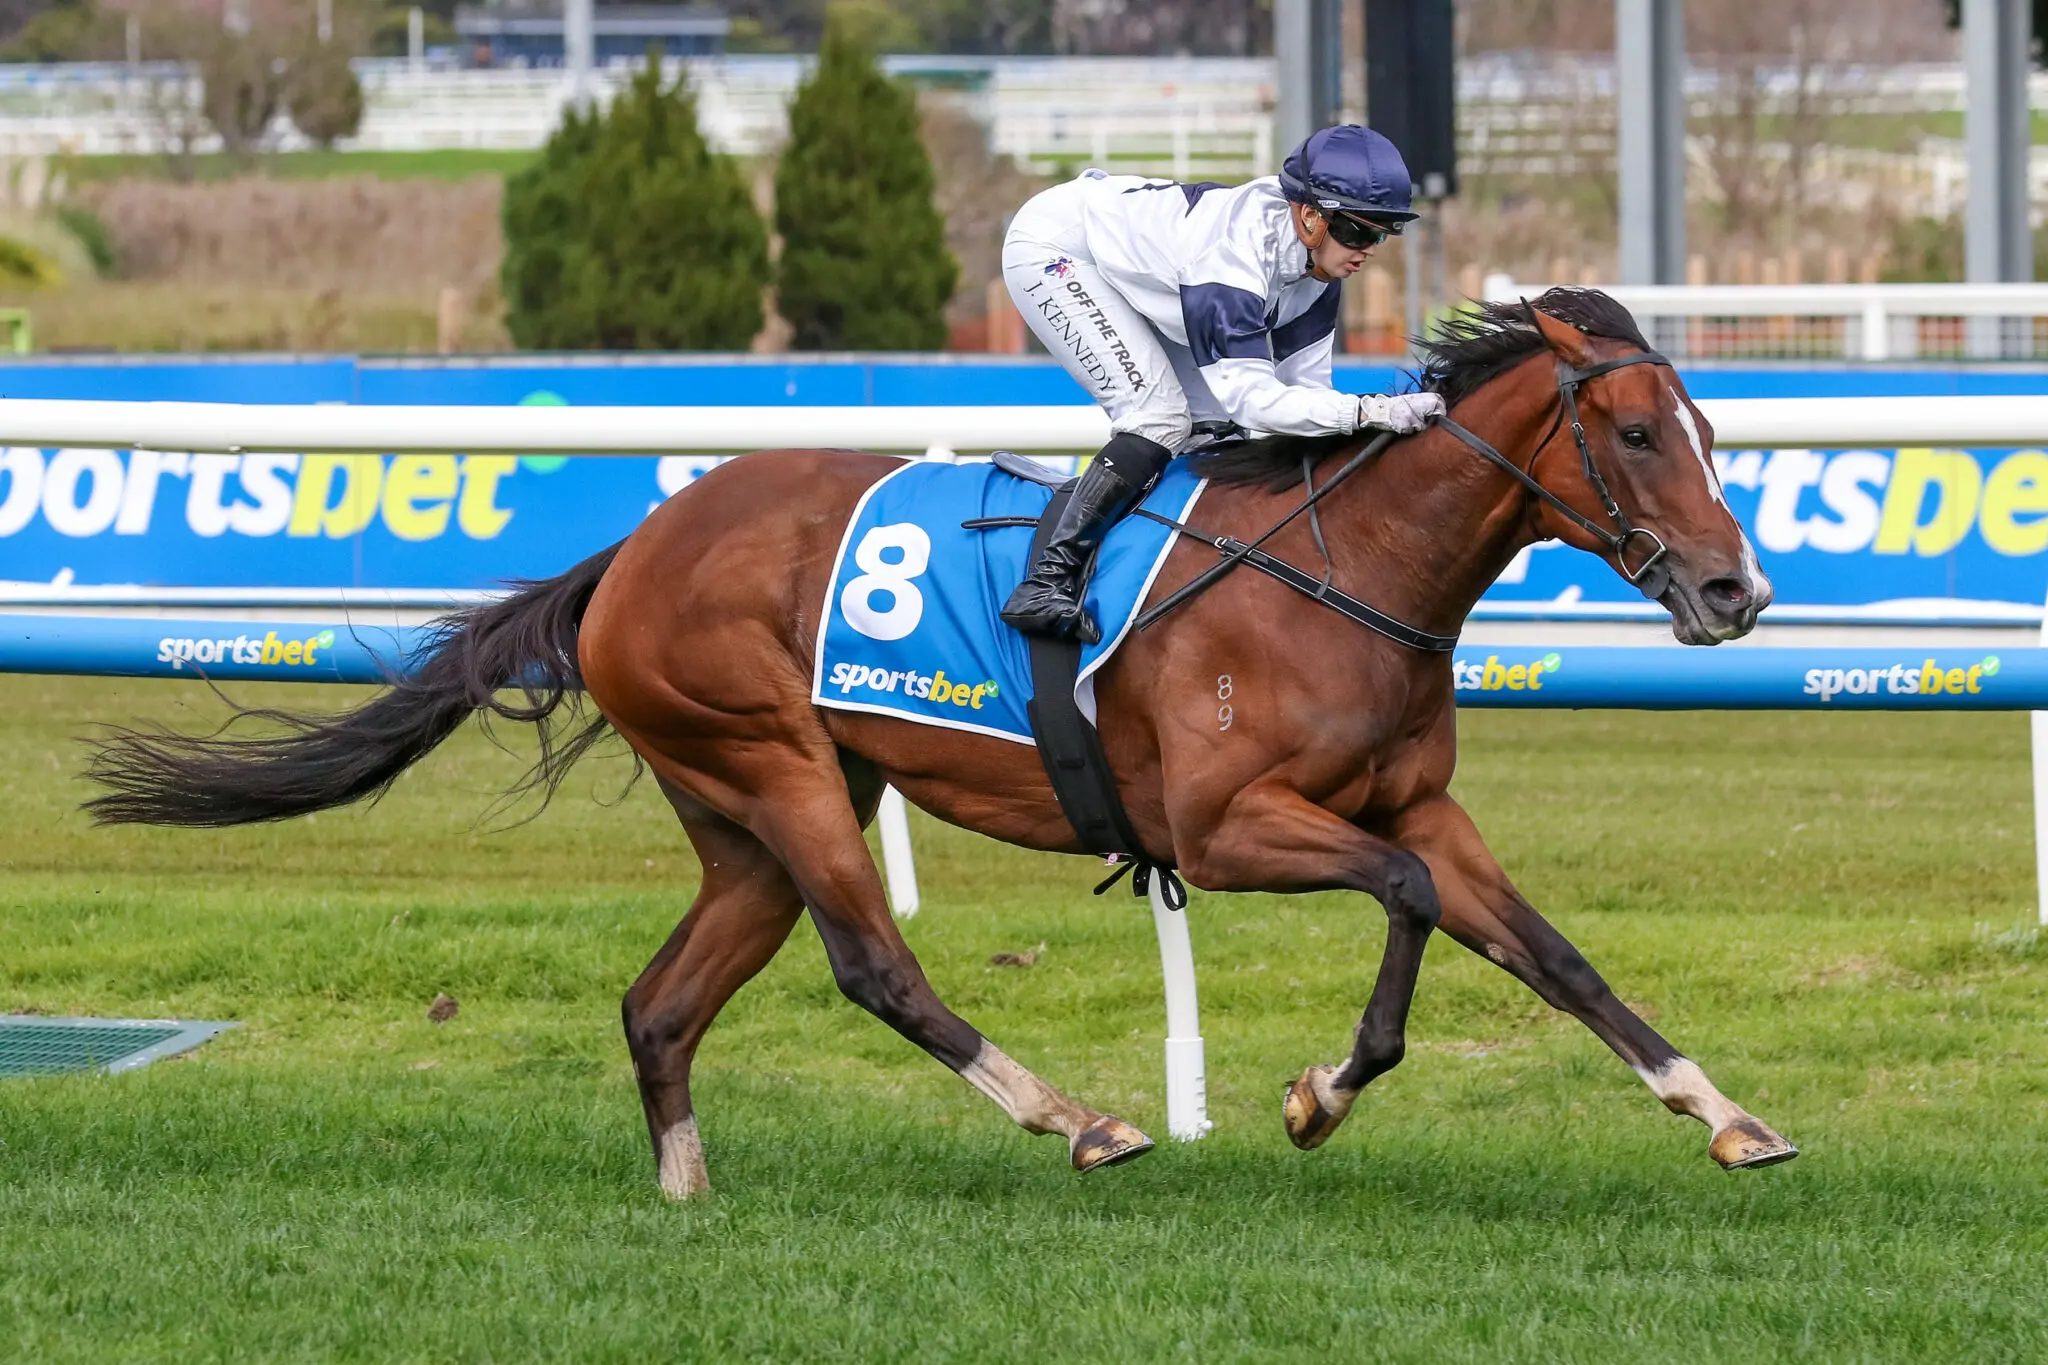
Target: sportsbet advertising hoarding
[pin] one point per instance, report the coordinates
(1962, 531)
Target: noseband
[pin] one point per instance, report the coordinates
(1652, 576)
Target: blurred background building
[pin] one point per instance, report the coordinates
(534, 35)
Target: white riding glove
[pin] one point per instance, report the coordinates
(1400, 413)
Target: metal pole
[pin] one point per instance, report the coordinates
(1996, 242)
(1294, 74)
(2039, 721)
(323, 20)
(1326, 54)
(416, 38)
(578, 46)
(1649, 121)
(1439, 268)
(1412, 247)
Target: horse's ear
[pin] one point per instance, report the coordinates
(1567, 340)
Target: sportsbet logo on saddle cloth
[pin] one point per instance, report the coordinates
(910, 622)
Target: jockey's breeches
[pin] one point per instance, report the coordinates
(1123, 363)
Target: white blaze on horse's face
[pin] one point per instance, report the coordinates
(1759, 584)
(1695, 620)
(1692, 436)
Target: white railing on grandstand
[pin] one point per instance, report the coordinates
(1517, 113)
(1183, 116)
(1875, 321)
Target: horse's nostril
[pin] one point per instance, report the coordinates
(1727, 595)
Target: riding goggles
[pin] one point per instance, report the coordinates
(1357, 233)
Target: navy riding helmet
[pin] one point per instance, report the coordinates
(1349, 169)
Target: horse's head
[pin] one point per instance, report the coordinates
(1650, 450)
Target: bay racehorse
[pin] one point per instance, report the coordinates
(695, 639)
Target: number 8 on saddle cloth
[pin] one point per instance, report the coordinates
(910, 619)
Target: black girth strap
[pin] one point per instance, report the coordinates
(1072, 753)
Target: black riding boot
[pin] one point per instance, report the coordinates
(1048, 601)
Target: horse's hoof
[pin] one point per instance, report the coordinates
(1108, 1141)
(1747, 1143)
(1314, 1107)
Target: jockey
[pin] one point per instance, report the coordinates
(1190, 310)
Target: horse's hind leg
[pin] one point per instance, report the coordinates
(1483, 911)
(743, 913)
(877, 971)
(817, 833)
(802, 806)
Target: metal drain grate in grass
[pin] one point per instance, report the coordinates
(34, 1046)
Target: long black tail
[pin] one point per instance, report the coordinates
(524, 642)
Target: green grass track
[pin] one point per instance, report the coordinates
(445, 164)
(1831, 913)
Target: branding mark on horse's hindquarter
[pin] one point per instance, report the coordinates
(1225, 714)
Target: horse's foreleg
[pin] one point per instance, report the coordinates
(821, 844)
(1283, 842)
(1483, 911)
(743, 913)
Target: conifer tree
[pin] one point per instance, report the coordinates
(864, 263)
(630, 234)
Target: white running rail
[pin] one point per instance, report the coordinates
(237, 428)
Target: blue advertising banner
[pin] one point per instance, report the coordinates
(1915, 530)
(1730, 678)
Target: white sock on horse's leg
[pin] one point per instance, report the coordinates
(1035, 1106)
(1685, 1089)
(681, 1161)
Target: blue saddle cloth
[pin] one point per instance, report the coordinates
(910, 623)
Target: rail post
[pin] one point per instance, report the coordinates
(2039, 721)
(1187, 1084)
(893, 820)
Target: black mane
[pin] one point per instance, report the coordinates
(1466, 351)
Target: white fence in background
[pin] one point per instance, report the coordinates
(1186, 117)
(1830, 321)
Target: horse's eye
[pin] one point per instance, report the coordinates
(1635, 438)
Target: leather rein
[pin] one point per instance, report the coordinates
(1651, 577)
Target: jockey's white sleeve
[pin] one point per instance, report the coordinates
(1257, 401)
(1241, 342)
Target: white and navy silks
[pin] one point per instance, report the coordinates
(1177, 304)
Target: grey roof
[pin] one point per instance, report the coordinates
(651, 21)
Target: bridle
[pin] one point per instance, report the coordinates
(1652, 577)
